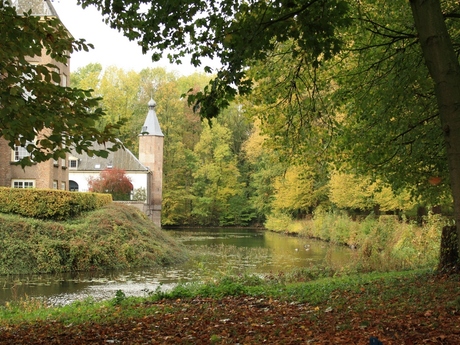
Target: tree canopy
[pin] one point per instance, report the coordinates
(113, 181)
(36, 112)
(233, 32)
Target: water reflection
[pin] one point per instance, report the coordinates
(228, 250)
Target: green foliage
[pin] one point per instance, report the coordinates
(37, 112)
(389, 85)
(220, 32)
(221, 287)
(238, 213)
(113, 237)
(216, 179)
(348, 191)
(140, 194)
(49, 204)
(120, 297)
(381, 243)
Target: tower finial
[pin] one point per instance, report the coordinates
(152, 104)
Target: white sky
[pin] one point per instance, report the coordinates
(111, 48)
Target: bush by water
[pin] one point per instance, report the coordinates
(112, 237)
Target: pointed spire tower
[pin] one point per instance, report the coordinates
(151, 155)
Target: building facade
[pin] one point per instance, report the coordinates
(50, 174)
(82, 168)
(145, 172)
(73, 172)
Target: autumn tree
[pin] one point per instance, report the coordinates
(113, 181)
(87, 77)
(348, 191)
(31, 96)
(216, 176)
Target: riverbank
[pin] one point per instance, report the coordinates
(113, 237)
(380, 243)
(412, 307)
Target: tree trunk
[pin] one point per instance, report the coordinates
(444, 68)
(449, 250)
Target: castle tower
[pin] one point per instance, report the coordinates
(151, 155)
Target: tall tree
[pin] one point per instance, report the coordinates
(87, 77)
(216, 178)
(442, 62)
(31, 96)
(265, 167)
(389, 125)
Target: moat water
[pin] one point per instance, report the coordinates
(232, 251)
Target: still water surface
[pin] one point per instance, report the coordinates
(228, 251)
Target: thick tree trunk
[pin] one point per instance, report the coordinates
(444, 68)
(449, 250)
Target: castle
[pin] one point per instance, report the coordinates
(72, 172)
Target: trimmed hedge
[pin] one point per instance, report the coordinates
(49, 203)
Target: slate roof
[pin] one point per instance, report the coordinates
(121, 159)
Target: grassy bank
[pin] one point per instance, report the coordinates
(411, 307)
(382, 243)
(113, 237)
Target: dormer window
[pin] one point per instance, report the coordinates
(73, 163)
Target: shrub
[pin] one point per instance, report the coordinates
(49, 204)
(113, 237)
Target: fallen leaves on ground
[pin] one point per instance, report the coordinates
(423, 314)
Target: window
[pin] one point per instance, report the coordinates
(62, 185)
(20, 153)
(23, 183)
(55, 184)
(63, 80)
(73, 163)
(73, 186)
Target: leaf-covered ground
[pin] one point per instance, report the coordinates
(405, 312)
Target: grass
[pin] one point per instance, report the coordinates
(113, 237)
(398, 307)
(382, 243)
(392, 289)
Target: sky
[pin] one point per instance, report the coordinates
(111, 48)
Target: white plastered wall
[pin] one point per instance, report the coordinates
(138, 179)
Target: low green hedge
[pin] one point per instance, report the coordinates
(49, 204)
